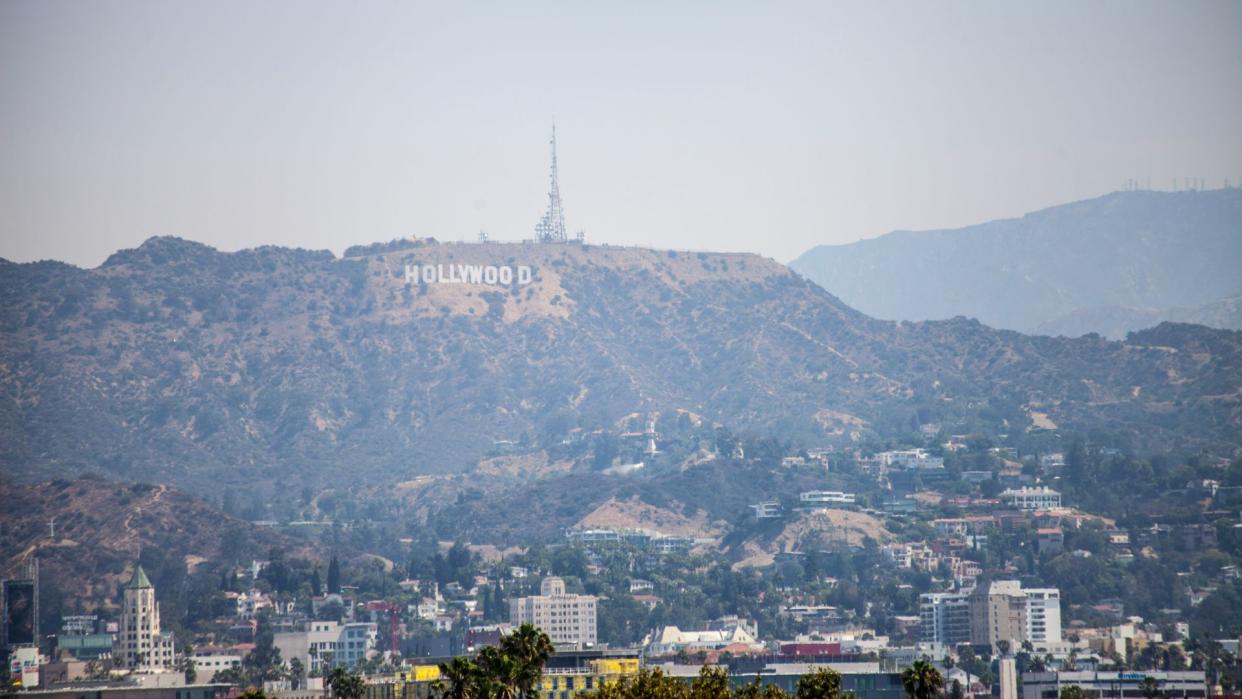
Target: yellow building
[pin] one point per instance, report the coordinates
(412, 682)
(416, 682)
(566, 684)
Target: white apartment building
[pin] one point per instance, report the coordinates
(1032, 498)
(824, 497)
(139, 645)
(1043, 616)
(944, 618)
(323, 645)
(566, 618)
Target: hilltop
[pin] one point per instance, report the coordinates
(1113, 264)
(103, 528)
(274, 368)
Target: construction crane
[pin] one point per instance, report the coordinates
(394, 623)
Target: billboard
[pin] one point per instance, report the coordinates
(24, 667)
(19, 612)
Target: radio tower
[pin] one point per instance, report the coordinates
(551, 229)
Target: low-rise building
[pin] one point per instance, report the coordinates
(910, 460)
(1032, 498)
(826, 497)
(1050, 540)
(210, 660)
(1115, 685)
(767, 510)
(669, 640)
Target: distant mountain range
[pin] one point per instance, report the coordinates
(276, 368)
(1114, 264)
(1115, 321)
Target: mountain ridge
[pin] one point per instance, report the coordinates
(1127, 249)
(211, 370)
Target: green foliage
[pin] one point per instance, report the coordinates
(922, 680)
(334, 576)
(343, 684)
(822, 683)
(510, 670)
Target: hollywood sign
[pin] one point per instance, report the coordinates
(494, 275)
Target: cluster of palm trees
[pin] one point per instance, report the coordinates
(508, 671)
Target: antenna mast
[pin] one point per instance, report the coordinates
(551, 228)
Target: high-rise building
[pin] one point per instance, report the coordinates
(998, 614)
(1043, 616)
(140, 645)
(944, 618)
(991, 613)
(566, 618)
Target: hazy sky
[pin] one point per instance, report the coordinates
(765, 127)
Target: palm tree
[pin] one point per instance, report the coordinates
(345, 684)
(502, 673)
(457, 679)
(530, 648)
(1150, 687)
(922, 680)
(297, 672)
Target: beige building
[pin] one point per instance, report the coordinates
(998, 613)
(565, 618)
(140, 645)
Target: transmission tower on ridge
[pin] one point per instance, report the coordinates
(551, 229)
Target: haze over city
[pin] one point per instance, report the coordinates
(702, 126)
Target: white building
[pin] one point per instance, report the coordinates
(323, 645)
(209, 661)
(767, 510)
(251, 602)
(1032, 498)
(823, 497)
(1115, 685)
(566, 618)
(139, 645)
(910, 459)
(428, 609)
(670, 639)
(1032, 614)
(1043, 616)
(944, 618)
